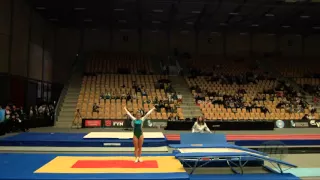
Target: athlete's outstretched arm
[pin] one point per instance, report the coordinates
(129, 114)
(148, 113)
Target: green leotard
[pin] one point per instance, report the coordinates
(137, 128)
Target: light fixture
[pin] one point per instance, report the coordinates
(269, 15)
(255, 25)
(304, 17)
(157, 10)
(40, 8)
(118, 9)
(79, 9)
(285, 26)
(233, 13)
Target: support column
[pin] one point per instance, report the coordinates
(251, 44)
(140, 40)
(303, 45)
(197, 42)
(169, 41)
(224, 44)
(111, 39)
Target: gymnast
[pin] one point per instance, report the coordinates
(137, 132)
(200, 126)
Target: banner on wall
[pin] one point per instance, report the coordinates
(119, 123)
(312, 123)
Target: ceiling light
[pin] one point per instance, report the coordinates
(233, 13)
(124, 30)
(79, 9)
(156, 22)
(255, 25)
(40, 8)
(304, 17)
(269, 15)
(118, 9)
(196, 12)
(215, 33)
(157, 10)
(285, 26)
(87, 20)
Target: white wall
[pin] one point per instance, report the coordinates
(66, 48)
(291, 45)
(20, 38)
(214, 46)
(262, 43)
(96, 40)
(36, 50)
(154, 42)
(237, 45)
(184, 42)
(312, 46)
(4, 34)
(131, 46)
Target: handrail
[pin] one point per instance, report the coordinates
(64, 91)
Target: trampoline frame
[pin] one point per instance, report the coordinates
(230, 161)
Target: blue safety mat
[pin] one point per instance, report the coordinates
(203, 138)
(285, 176)
(72, 140)
(22, 167)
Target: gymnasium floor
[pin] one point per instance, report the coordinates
(309, 164)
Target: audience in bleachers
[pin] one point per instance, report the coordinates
(137, 92)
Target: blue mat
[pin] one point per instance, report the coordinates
(259, 142)
(284, 176)
(22, 166)
(72, 140)
(203, 138)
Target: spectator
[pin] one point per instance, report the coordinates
(95, 108)
(179, 96)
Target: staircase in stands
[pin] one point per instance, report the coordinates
(67, 109)
(189, 108)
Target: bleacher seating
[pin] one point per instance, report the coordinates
(219, 111)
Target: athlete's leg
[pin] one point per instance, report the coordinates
(141, 139)
(136, 146)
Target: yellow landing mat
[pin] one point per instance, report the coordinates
(65, 164)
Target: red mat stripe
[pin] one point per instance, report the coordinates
(114, 164)
(261, 137)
